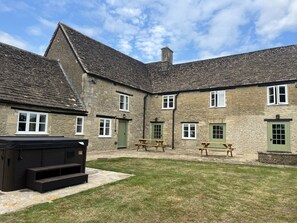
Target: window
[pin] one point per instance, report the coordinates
(189, 131)
(217, 99)
(157, 130)
(168, 102)
(277, 95)
(124, 102)
(105, 128)
(32, 123)
(217, 132)
(79, 125)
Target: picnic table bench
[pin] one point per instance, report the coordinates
(215, 146)
(145, 143)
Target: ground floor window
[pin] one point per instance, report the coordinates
(217, 132)
(189, 131)
(157, 130)
(32, 123)
(79, 125)
(105, 127)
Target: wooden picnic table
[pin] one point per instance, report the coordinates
(144, 143)
(225, 147)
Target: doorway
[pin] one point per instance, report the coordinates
(122, 134)
(279, 136)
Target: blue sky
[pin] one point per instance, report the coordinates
(193, 29)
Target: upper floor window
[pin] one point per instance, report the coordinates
(79, 125)
(105, 128)
(32, 122)
(277, 95)
(124, 102)
(217, 99)
(168, 102)
(189, 131)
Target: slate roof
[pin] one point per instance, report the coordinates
(106, 62)
(30, 79)
(273, 65)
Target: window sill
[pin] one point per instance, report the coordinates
(31, 133)
(277, 104)
(124, 111)
(104, 137)
(217, 107)
(167, 108)
(79, 134)
(189, 138)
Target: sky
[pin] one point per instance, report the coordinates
(193, 29)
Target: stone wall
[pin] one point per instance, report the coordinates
(277, 158)
(244, 114)
(60, 50)
(102, 98)
(58, 124)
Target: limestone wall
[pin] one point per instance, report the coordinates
(58, 124)
(244, 114)
(102, 98)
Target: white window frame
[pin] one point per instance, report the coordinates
(126, 102)
(217, 96)
(82, 125)
(28, 123)
(276, 95)
(104, 127)
(167, 97)
(189, 130)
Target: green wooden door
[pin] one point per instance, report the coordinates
(157, 131)
(122, 134)
(279, 136)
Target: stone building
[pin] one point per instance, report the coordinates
(35, 96)
(248, 99)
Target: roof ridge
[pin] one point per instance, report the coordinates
(236, 55)
(72, 47)
(63, 24)
(27, 51)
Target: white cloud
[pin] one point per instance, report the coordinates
(275, 18)
(12, 40)
(41, 28)
(87, 30)
(34, 31)
(204, 28)
(47, 23)
(125, 45)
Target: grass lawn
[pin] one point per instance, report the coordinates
(177, 191)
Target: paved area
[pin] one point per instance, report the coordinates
(179, 154)
(16, 200)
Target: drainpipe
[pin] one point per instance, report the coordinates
(144, 112)
(173, 119)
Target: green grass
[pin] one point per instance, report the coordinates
(177, 191)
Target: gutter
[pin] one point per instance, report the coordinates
(144, 115)
(173, 119)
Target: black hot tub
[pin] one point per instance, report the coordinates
(20, 154)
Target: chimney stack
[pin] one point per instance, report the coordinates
(167, 58)
(167, 55)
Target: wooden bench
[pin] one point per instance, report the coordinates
(145, 143)
(48, 178)
(226, 147)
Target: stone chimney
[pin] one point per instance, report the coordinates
(167, 58)
(167, 55)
